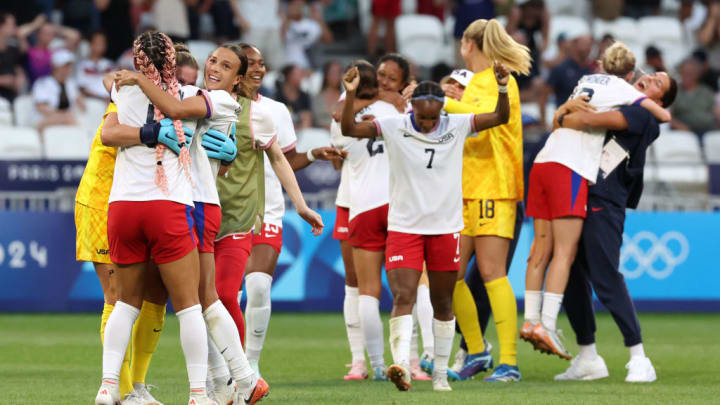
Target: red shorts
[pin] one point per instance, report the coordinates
(556, 191)
(270, 235)
(408, 250)
(368, 230)
(207, 218)
(341, 231)
(138, 230)
(386, 8)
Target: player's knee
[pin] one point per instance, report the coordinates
(258, 286)
(442, 307)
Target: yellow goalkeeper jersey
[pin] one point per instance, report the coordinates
(492, 161)
(95, 184)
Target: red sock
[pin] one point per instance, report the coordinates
(231, 256)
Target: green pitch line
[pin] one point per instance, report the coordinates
(55, 359)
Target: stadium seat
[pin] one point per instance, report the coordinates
(420, 38)
(571, 26)
(311, 138)
(312, 83)
(66, 143)
(679, 159)
(201, 50)
(365, 14)
(18, 143)
(409, 6)
(91, 118)
(24, 108)
(711, 146)
(270, 79)
(6, 115)
(665, 33)
(622, 29)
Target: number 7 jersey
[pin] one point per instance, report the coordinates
(425, 173)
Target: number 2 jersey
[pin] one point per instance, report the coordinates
(425, 173)
(581, 151)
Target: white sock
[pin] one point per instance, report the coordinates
(635, 351)
(588, 352)
(425, 317)
(224, 333)
(372, 329)
(444, 332)
(117, 335)
(400, 334)
(353, 328)
(193, 339)
(551, 309)
(415, 337)
(257, 312)
(533, 303)
(217, 368)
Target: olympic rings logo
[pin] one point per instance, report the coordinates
(657, 257)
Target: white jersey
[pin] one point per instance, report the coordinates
(581, 151)
(134, 178)
(344, 143)
(368, 162)
(425, 173)
(222, 113)
(286, 138)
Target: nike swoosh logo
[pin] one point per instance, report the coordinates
(157, 330)
(250, 397)
(269, 235)
(456, 260)
(223, 350)
(238, 237)
(407, 136)
(596, 209)
(258, 331)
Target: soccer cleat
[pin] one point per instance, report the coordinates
(223, 393)
(256, 393)
(358, 371)
(504, 373)
(640, 369)
(475, 363)
(144, 392)
(200, 399)
(379, 374)
(551, 341)
(440, 382)
(255, 366)
(427, 363)
(108, 394)
(416, 372)
(459, 361)
(526, 331)
(399, 376)
(582, 369)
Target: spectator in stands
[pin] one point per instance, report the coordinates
(432, 7)
(530, 17)
(653, 60)
(57, 94)
(563, 77)
(602, 45)
(709, 34)
(467, 11)
(641, 8)
(115, 21)
(562, 51)
(260, 23)
(39, 55)
(297, 101)
(693, 110)
(12, 77)
(323, 105)
(171, 17)
(80, 15)
(692, 15)
(607, 10)
(709, 76)
(301, 33)
(90, 71)
(222, 14)
(383, 12)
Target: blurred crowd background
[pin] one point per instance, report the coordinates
(53, 55)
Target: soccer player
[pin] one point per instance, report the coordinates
(267, 242)
(424, 220)
(492, 185)
(557, 196)
(149, 216)
(597, 262)
(91, 204)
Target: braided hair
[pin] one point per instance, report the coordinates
(155, 58)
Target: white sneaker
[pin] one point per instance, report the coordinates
(459, 360)
(440, 382)
(640, 369)
(108, 394)
(582, 369)
(223, 393)
(201, 399)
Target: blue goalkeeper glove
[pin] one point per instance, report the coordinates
(220, 146)
(164, 132)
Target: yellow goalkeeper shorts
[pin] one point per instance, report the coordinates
(91, 244)
(489, 218)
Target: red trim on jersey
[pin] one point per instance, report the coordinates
(377, 128)
(289, 147)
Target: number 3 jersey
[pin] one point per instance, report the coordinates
(368, 179)
(581, 151)
(425, 173)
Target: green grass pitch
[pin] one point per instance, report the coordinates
(55, 359)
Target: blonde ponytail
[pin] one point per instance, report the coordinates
(618, 60)
(497, 45)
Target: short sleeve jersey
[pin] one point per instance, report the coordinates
(342, 142)
(368, 161)
(286, 138)
(242, 189)
(46, 90)
(134, 177)
(425, 173)
(90, 75)
(581, 151)
(492, 161)
(97, 179)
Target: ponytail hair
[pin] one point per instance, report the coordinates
(241, 88)
(155, 58)
(618, 60)
(497, 45)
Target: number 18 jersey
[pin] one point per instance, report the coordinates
(425, 173)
